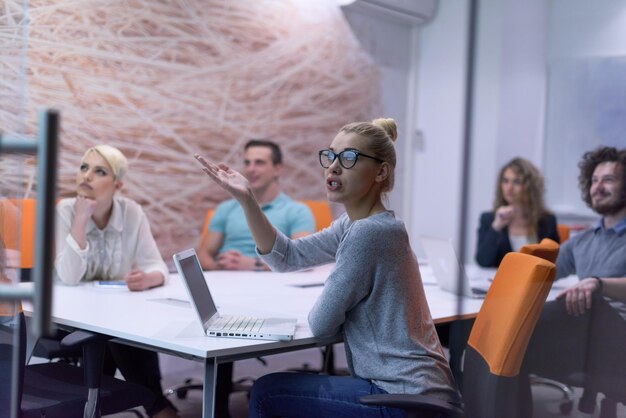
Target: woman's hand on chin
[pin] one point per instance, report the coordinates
(84, 208)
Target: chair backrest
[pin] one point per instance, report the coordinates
(546, 249)
(9, 233)
(205, 225)
(18, 230)
(501, 332)
(563, 231)
(321, 213)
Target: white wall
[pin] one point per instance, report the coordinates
(509, 97)
(516, 42)
(439, 115)
(389, 42)
(579, 30)
(422, 85)
(508, 105)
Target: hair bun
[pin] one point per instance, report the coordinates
(388, 125)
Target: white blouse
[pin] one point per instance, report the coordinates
(518, 241)
(125, 243)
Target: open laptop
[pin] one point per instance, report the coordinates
(445, 264)
(231, 326)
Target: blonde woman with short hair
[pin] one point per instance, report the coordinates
(103, 236)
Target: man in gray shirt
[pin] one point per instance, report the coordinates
(584, 330)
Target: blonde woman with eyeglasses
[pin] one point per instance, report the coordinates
(374, 295)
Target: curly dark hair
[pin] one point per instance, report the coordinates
(589, 163)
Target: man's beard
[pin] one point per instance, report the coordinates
(611, 206)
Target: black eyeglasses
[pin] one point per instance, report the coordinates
(347, 158)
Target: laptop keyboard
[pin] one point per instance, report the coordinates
(237, 324)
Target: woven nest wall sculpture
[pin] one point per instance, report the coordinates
(164, 79)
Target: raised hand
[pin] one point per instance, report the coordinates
(230, 180)
(238, 186)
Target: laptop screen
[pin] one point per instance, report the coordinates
(191, 272)
(445, 264)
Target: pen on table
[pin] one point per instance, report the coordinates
(304, 286)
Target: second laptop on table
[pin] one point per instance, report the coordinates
(445, 264)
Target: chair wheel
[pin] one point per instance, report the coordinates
(181, 393)
(566, 407)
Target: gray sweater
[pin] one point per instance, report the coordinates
(375, 297)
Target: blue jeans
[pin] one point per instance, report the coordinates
(317, 396)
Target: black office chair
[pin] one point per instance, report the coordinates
(606, 369)
(549, 250)
(602, 371)
(59, 389)
(496, 345)
(18, 229)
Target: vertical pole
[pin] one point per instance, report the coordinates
(18, 360)
(46, 191)
(467, 138)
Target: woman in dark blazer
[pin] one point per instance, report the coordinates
(519, 216)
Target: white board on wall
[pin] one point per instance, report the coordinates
(586, 109)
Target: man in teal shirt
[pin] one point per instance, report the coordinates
(229, 244)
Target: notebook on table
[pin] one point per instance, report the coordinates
(230, 326)
(445, 265)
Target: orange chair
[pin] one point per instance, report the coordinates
(18, 229)
(546, 249)
(205, 225)
(549, 250)
(563, 231)
(496, 345)
(321, 213)
(9, 215)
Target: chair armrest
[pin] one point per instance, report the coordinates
(412, 403)
(80, 337)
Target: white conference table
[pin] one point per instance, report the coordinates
(162, 319)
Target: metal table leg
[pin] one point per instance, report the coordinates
(208, 392)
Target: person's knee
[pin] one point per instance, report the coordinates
(267, 384)
(262, 391)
